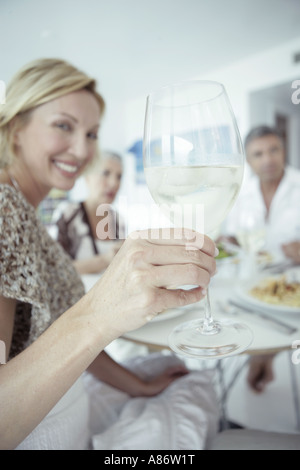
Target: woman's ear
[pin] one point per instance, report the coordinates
(14, 127)
(17, 124)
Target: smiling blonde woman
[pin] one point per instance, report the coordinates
(52, 332)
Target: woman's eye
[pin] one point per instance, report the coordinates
(64, 126)
(93, 135)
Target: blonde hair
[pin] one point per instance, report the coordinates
(37, 83)
(100, 157)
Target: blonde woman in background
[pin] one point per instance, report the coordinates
(90, 230)
(53, 332)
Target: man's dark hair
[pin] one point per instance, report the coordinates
(261, 131)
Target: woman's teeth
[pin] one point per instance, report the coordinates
(67, 167)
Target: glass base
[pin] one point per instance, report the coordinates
(226, 338)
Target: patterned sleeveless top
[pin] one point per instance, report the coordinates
(34, 269)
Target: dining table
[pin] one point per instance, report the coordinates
(274, 330)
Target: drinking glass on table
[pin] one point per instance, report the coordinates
(194, 164)
(251, 236)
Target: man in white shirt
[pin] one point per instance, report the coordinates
(269, 202)
(268, 207)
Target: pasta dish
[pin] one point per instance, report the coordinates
(278, 291)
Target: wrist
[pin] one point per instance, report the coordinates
(99, 324)
(137, 387)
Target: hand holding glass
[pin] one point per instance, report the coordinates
(194, 164)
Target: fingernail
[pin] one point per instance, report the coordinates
(149, 317)
(216, 272)
(260, 386)
(216, 251)
(204, 292)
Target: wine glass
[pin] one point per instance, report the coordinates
(251, 235)
(194, 165)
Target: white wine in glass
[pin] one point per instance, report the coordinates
(194, 166)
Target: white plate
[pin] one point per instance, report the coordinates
(171, 313)
(243, 294)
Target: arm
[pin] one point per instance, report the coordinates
(260, 372)
(97, 263)
(107, 370)
(227, 239)
(35, 380)
(93, 265)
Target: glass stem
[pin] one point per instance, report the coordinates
(209, 326)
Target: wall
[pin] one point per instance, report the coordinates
(265, 104)
(241, 80)
(262, 70)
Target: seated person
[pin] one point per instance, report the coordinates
(93, 240)
(270, 198)
(53, 332)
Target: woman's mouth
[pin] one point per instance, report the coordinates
(68, 169)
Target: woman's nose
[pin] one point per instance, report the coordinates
(113, 182)
(80, 147)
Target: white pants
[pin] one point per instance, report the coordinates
(184, 416)
(66, 427)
